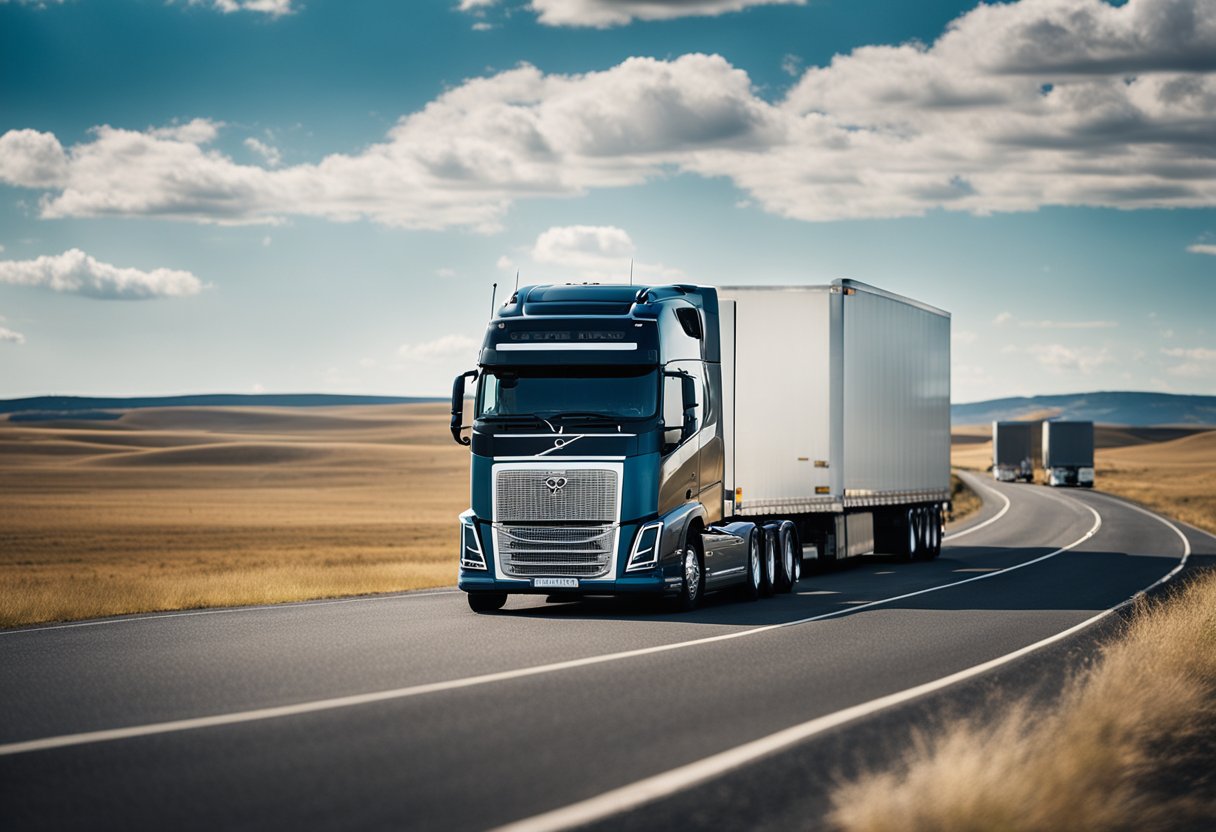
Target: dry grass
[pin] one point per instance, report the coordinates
(1177, 477)
(180, 508)
(1129, 744)
(964, 501)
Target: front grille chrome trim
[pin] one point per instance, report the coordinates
(572, 529)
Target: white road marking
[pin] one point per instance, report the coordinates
(973, 481)
(353, 700)
(224, 610)
(667, 783)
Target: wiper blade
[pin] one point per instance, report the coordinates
(586, 415)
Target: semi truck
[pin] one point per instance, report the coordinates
(676, 440)
(1013, 451)
(1068, 453)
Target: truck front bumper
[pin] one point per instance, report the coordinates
(652, 583)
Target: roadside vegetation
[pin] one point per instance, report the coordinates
(964, 501)
(1129, 744)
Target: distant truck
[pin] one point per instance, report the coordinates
(1013, 451)
(1068, 453)
(675, 440)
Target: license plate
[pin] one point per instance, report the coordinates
(555, 583)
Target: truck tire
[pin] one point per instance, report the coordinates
(786, 555)
(935, 532)
(755, 568)
(769, 586)
(486, 601)
(692, 583)
(911, 535)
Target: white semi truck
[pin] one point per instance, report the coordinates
(1013, 451)
(1068, 453)
(682, 439)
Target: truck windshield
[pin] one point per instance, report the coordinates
(578, 392)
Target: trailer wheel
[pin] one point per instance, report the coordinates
(486, 601)
(692, 585)
(912, 548)
(755, 568)
(786, 557)
(769, 585)
(935, 532)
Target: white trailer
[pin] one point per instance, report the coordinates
(837, 410)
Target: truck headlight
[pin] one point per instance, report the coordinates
(471, 556)
(645, 553)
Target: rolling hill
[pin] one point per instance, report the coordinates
(1112, 408)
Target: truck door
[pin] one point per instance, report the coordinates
(680, 472)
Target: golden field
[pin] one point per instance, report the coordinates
(1170, 470)
(178, 508)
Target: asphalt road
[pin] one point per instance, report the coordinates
(410, 712)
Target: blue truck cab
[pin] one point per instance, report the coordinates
(597, 447)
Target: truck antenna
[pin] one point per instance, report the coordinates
(630, 271)
(517, 280)
(493, 297)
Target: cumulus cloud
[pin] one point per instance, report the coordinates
(443, 349)
(604, 13)
(595, 252)
(1202, 248)
(271, 8)
(31, 159)
(1002, 318)
(1060, 358)
(75, 272)
(1117, 110)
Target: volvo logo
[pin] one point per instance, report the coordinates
(555, 483)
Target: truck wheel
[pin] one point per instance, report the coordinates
(769, 585)
(692, 587)
(786, 557)
(486, 601)
(755, 570)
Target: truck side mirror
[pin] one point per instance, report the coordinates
(458, 406)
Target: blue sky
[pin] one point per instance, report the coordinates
(246, 195)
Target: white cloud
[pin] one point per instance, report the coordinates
(443, 349)
(1069, 324)
(1002, 318)
(77, 273)
(1016, 106)
(963, 336)
(505, 263)
(31, 159)
(7, 336)
(272, 8)
(445, 272)
(596, 252)
(1059, 358)
(604, 13)
(1199, 362)
(578, 244)
(1202, 248)
(269, 153)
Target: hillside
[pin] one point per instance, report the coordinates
(1112, 408)
(90, 408)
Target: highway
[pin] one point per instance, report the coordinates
(411, 712)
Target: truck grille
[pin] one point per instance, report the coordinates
(555, 521)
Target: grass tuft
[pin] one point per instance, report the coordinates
(1127, 745)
